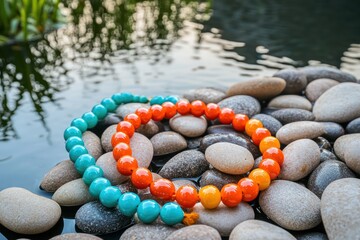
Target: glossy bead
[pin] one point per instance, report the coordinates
(231, 195)
(144, 115)
(171, 99)
(252, 125)
(157, 100)
(171, 213)
(187, 196)
(119, 137)
(143, 99)
(109, 104)
(76, 152)
(109, 196)
(183, 107)
(73, 141)
(141, 178)
(133, 119)
(239, 122)
(249, 188)
(128, 203)
(125, 127)
(261, 177)
(163, 189)
(123, 97)
(136, 98)
(197, 108)
(271, 167)
(210, 196)
(158, 112)
(126, 165)
(170, 109)
(80, 124)
(83, 162)
(148, 211)
(268, 142)
(212, 111)
(100, 111)
(92, 173)
(72, 132)
(226, 116)
(275, 154)
(260, 134)
(98, 185)
(90, 119)
(120, 150)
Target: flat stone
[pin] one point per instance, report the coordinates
(289, 115)
(150, 129)
(353, 126)
(269, 122)
(229, 158)
(347, 148)
(75, 236)
(299, 130)
(147, 232)
(197, 231)
(125, 109)
(218, 179)
(290, 205)
(311, 236)
(228, 129)
(339, 104)
(315, 72)
(255, 229)
(168, 142)
(242, 104)
(326, 155)
(290, 101)
(142, 149)
(207, 95)
(23, 212)
(332, 130)
(301, 157)
(74, 193)
(295, 80)
(92, 144)
(340, 209)
(108, 165)
(317, 87)
(106, 138)
(62, 173)
(188, 126)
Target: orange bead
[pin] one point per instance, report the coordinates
(252, 125)
(197, 108)
(144, 114)
(275, 154)
(126, 165)
(187, 196)
(239, 122)
(133, 119)
(271, 167)
(170, 109)
(120, 150)
(249, 188)
(231, 195)
(268, 142)
(212, 111)
(119, 137)
(183, 107)
(210, 196)
(261, 177)
(158, 112)
(163, 189)
(141, 178)
(125, 127)
(260, 134)
(226, 116)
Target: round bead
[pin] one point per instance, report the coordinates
(76, 152)
(144, 115)
(125, 127)
(171, 99)
(171, 213)
(226, 116)
(157, 100)
(197, 108)
(98, 185)
(260, 134)
(231, 195)
(158, 112)
(170, 109)
(187, 196)
(183, 107)
(92, 173)
(136, 98)
(100, 111)
(109, 196)
(72, 132)
(83, 162)
(141, 178)
(148, 211)
(120, 150)
(275, 154)
(249, 188)
(73, 141)
(239, 122)
(268, 142)
(163, 189)
(212, 111)
(119, 137)
(271, 167)
(90, 119)
(80, 124)
(261, 177)
(124, 97)
(109, 104)
(252, 125)
(133, 119)
(126, 165)
(128, 203)
(210, 196)
(143, 99)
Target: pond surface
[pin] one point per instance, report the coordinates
(150, 48)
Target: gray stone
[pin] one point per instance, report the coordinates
(326, 155)
(289, 115)
(168, 142)
(353, 126)
(183, 182)
(347, 148)
(92, 144)
(290, 101)
(242, 104)
(299, 130)
(75, 236)
(317, 87)
(195, 232)
(228, 129)
(142, 149)
(150, 129)
(193, 143)
(311, 236)
(323, 143)
(218, 179)
(207, 95)
(188, 126)
(295, 80)
(147, 232)
(106, 138)
(74, 193)
(125, 109)
(315, 72)
(127, 187)
(269, 122)
(332, 130)
(291, 205)
(108, 165)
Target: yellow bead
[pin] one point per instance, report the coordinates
(252, 125)
(210, 196)
(261, 177)
(269, 142)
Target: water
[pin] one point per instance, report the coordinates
(149, 48)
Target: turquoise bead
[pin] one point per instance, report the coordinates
(124, 97)
(172, 99)
(80, 124)
(171, 213)
(92, 173)
(100, 111)
(90, 119)
(83, 162)
(143, 99)
(136, 98)
(109, 104)
(98, 185)
(73, 141)
(109, 196)
(148, 211)
(128, 203)
(72, 132)
(157, 100)
(76, 152)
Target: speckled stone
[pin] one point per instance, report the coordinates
(290, 101)
(290, 205)
(190, 163)
(128, 108)
(299, 130)
(127, 187)
(23, 212)
(218, 179)
(347, 148)
(224, 219)
(295, 80)
(96, 219)
(242, 104)
(269, 122)
(108, 165)
(340, 209)
(150, 129)
(311, 236)
(326, 173)
(353, 126)
(255, 229)
(74, 193)
(317, 87)
(75, 236)
(289, 115)
(106, 138)
(207, 95)
(183, 182)
(188, 126)
(332, 130)
(62, 173)
(301, 157)
(229, 158)
(326, 155)
(316, 72)
(221, 129)
(92, 144)
(147, 232)
(168, 142)
(197, 231)
(193, 143)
